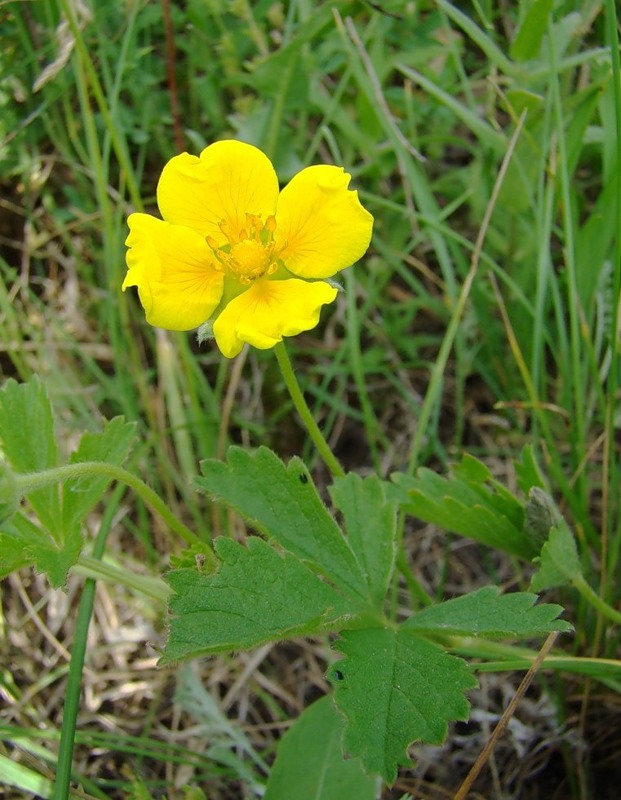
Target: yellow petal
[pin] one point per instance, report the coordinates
(320, 223)
(269, 310)
(172, 267)
(227, 181)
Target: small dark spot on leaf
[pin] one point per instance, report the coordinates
(338, 675)
(303, 477)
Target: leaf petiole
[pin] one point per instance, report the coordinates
(29, 482)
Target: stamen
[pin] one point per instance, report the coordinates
(249, 252)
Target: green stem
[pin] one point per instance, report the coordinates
(501, 657)
(74, 679)
(90, 567)
(29, 482)
(304, 411)
(596, 601)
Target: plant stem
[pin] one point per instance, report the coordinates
(304, 411)
(74, 679)
(91, 567)
(28, 482)
(596, 601)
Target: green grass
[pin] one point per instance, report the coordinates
(442, 342)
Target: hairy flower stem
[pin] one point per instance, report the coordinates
(305, 413)
(29, 482)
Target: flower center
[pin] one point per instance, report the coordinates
(250, 259)
(249, 253)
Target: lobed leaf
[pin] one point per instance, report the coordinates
(488, 613)
(256, 596)
(469, 503)
(19, 542)
(370, 522)
(395, 688)
(28, 443)
(22, 543)
(282, 503)
(111, 445)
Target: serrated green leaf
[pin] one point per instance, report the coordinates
(488, 613)
(479, 479)
(470, 502)
(283, 504)
(27, 440)
(111, 445)
(256, 596)
(559, 563)
(370, 522)
(527, 42)
(395, 688)
(19, 540)
(22, 543)
(310, 759)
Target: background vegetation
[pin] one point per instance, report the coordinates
(421, 102)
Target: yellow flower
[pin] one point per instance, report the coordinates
(234, 251)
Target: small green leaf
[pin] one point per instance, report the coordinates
(257, 596)
(281, 502)
(310, 759)
(111, 445)
(488, 613)
(527, 42)
(370, 522)
(395, 688)
(22, 543)
(470, 502)
(28, 443)
(19, 541)
(559, 563)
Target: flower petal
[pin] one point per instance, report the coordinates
(172, 266)
(269, 310)
(227, 181)
(321, 225)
